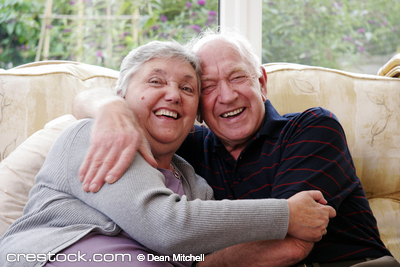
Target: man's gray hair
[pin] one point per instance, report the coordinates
(233, 37)
(155, 49)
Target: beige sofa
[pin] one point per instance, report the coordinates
(34, 98)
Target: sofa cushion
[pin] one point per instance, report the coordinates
(391, 68)
(19, 169)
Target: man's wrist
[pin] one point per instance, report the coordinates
(87, 103)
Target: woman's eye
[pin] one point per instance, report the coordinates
(154, 79)
(185, 88)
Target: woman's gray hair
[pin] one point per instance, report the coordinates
(233, 37)
(155, 49)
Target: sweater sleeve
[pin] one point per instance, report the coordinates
(159, 219)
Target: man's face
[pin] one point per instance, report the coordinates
(232, 101)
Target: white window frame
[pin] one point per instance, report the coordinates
(245, 15)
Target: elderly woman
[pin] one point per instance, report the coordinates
(151, 216)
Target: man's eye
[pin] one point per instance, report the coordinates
(239, 78)
(207, 88)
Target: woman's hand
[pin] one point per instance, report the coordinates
(309, 215)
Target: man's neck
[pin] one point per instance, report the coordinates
(235, 150)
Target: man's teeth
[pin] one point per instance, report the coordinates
(232, 113)
(168, 113)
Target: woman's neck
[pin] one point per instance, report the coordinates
(164, 162)
(162, 153)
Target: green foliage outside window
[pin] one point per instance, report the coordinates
(312, 32)
(19, 31)
(96, 39)
(325, 32)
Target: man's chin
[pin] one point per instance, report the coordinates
(239, 138)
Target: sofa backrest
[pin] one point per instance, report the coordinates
(368, 108)
(33, 94)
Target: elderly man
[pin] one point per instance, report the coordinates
(253, 152)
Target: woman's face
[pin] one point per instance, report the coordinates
(164, 96)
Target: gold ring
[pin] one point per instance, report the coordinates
(325, 232)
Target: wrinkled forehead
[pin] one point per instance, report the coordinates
(220, 56)
(214, 44)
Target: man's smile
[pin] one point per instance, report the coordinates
(232, 113)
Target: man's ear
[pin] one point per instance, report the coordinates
(263, 83)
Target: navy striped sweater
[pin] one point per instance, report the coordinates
(293, 153)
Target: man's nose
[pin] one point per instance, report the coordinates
(173, 94)
(227, 93)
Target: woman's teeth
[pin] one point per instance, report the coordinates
(168, 113)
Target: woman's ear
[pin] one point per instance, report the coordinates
(120, 94)
(198, 116)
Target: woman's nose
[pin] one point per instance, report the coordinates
(173, 94)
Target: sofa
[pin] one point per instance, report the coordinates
(36, 101)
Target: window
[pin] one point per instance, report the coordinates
(358, 36)
(99, 32)
(245, 15)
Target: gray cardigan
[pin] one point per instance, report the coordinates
(59, 212)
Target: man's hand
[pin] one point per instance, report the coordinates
(271, 253)
(309, 215)
(116, 138)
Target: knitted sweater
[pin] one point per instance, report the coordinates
(59, 212)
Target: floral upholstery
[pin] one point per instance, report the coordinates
(31, 95)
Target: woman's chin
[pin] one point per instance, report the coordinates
(170, 135)
(169, 141)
